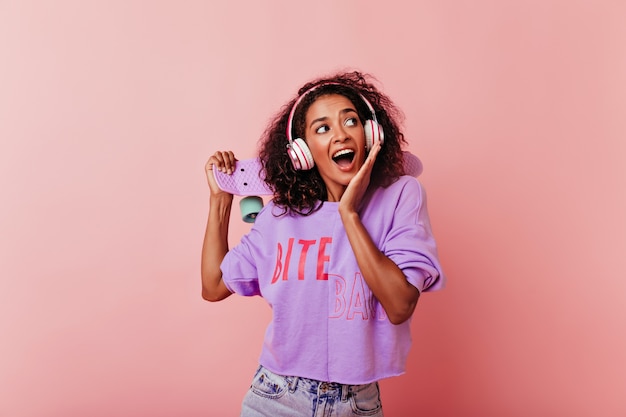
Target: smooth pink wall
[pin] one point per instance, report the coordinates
(108, 111)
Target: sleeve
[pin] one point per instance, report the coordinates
(239, 267)
(410, 242)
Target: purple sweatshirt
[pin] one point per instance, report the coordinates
(326, 323)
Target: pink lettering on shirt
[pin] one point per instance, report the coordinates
(323, 258)
(306, 244)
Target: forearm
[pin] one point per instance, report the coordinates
(215, 247)
(387, 282)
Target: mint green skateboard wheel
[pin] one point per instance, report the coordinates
(250, 207)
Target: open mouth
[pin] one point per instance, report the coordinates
(344, 158)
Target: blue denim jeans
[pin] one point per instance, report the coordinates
(272, 395)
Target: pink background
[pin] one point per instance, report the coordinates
(108, 111)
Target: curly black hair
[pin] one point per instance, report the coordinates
(302, 192)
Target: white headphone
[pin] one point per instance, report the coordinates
(299, 152)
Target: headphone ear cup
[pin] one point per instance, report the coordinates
(373, 133)
(300, 155)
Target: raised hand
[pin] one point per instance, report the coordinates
(352, 197)
(223, 161)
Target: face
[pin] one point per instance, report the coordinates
(335, 136)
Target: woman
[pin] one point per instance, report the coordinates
(341, 253)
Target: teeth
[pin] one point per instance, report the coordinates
(342, 152)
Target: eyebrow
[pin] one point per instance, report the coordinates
(324, 118)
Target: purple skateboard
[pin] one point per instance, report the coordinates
(247, 180)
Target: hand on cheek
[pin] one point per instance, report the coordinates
(351, 199)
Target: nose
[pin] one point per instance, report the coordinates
(341, 134)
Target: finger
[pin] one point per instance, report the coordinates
(374, 151)
(368, 165)
(229, 161)
(213, 161)
(210, 174)
(223, 161)
(217, 162)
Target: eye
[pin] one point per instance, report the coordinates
(322, 129)
(352, 121)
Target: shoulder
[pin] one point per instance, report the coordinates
(404, 185)
(405, 195)
(265, 216)
(406, 181)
